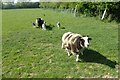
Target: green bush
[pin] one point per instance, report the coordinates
(88, 8)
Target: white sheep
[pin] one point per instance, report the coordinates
(58, 24)
(44, 26)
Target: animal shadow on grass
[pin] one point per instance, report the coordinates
(49, 27)
(62, 27)
(95, 57)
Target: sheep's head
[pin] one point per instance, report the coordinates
(85, 41)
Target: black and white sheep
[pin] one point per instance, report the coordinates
(74, 43)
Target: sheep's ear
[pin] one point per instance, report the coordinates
(87, 35)
(83, 36)
(89, 38)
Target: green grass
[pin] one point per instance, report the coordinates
(34, 53)
(1, 43)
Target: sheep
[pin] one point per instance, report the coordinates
(39, 22)
(44, 26)
(74, 43)
(58, 24)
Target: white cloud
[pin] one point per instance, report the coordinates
(35, 0)
(15, 1)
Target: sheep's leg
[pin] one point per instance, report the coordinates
(69, 54)
(77, 57)
(62, 45)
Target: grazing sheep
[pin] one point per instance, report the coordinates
(58, 24)
(74, 43)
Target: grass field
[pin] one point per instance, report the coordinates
(29, 52)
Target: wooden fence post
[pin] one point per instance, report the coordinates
(75, 11)
(104, 14)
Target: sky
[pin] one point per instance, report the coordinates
(35, 0)
(15, 1)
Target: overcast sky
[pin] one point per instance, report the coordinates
(35, 0)
(15, 1)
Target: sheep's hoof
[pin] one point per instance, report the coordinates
(78, 60)
(69, 55)
(61, 47)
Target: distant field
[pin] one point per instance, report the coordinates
(33, 53)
